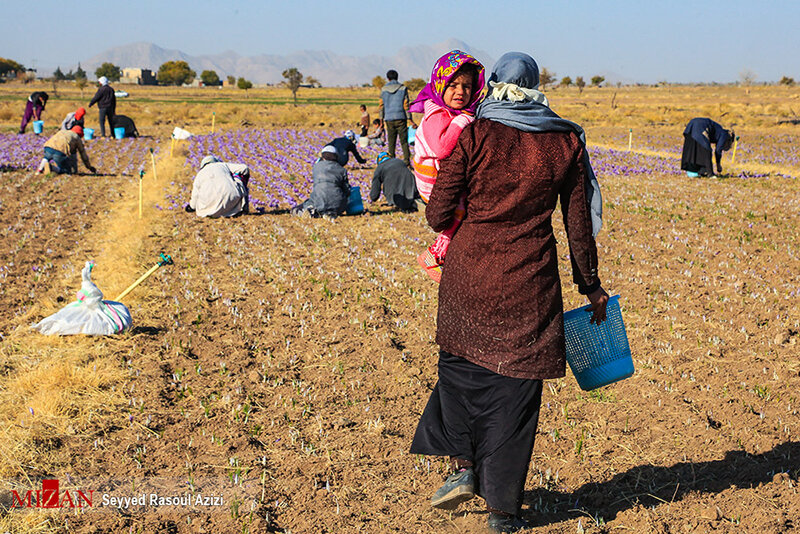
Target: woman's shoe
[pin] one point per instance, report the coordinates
(506, 523)
(459, 487)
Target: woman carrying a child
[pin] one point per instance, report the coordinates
(500, 320)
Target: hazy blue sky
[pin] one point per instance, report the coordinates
(682, 41)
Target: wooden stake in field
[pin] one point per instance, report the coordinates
(735, 143)
(141, 179)
(165, 260)
(213, 119)
(153, 159)
(630, 138)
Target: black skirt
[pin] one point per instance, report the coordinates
(486, 418)
(696, 157)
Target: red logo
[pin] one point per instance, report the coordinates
(50, 497)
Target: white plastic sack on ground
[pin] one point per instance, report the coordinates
(180, 133)
(90, 314)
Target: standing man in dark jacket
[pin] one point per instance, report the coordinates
(106, 104)
(394, 112)
(33, 108)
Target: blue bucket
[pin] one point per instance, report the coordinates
(691, 174)
(354, 204)
(119, 133)
(38, 127)
(412, 135)
(88, 133)
(598, 355)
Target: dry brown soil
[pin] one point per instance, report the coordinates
(288, 359)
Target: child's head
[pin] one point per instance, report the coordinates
(363, 107)
(461, 87)
(376, 122)
(457, 80)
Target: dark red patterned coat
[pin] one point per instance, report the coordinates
(500, 301)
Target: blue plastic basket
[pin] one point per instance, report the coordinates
(597, 354)
(119, 133)
(38, 127)
(691, 174)
(354, 204)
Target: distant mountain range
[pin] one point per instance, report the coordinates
(329, 68)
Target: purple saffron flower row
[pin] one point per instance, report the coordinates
(610, 162)
(280, 161)
(109, 156)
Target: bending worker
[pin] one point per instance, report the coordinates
(220, 189)
(697, 139)
(73, 118)
(34, 108)
(345, 145)
(331, 189)
(397, 181)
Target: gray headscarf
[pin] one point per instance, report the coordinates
(514, 101)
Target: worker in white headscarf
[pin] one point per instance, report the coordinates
(106, 102)
(220, 189)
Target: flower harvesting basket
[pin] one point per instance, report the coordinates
(597, 354)
(354, 204)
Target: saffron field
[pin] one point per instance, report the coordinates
(282, 362)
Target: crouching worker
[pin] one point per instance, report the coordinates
(61, 153)
(74, 118)
(331, 189)
(397, 181)
(220, 189)
(376, 138)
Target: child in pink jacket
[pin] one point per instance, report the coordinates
(448, 102)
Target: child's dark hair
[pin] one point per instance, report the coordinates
(391, 75)
(472, 70)
(362, 106)
(376, 121)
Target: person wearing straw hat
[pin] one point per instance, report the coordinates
(397, 181)
(500, 323)
(60, 152)
(220, 189)
(346, 145)
(106, 102)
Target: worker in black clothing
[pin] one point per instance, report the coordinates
(106, 104)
